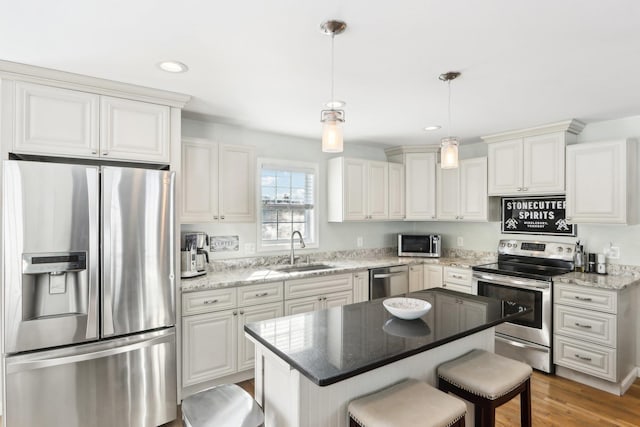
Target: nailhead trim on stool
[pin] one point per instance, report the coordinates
(488, 380)
(406, 404)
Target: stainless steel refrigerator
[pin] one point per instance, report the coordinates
(88, 295)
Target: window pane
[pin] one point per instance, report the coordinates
(298, 195)
(269, 193)
(298, 179)
(284, 215)
(269, 215)
(269, 232)
(268, 177)
(298, 215)
(284, 231)
(283, 179)
(283, 195)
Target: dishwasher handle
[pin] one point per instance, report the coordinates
(387, 275)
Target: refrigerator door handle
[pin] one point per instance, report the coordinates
(26, 365)
(92, 206)
(107, 279)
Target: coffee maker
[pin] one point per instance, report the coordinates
(194, 254)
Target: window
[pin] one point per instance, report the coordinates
(287, 203)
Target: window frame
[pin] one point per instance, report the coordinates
(293, 166)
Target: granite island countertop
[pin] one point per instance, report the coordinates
(265, 274)
(331, 345)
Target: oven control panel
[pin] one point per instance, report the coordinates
(551, 250)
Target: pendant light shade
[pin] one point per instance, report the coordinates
(449, 153)
(332, 131)
(332, 119)
(449, 145)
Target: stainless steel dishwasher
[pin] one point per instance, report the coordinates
(388, 281)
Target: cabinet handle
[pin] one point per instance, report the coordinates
(586, 359)
(94, 152)
(519, 188)
(457, 276)
(461, 217)
(215, 217)
(235, 313)
(105, 153)
(583, 326)
(319, 298)
(324, 298)
(210, 301)
(582, 298)
(221, 216)
(444, 285)
(241, 312)
(433, 217)
(263, 294)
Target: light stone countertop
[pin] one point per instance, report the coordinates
(602, 281)
(265, 274)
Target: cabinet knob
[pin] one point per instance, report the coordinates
(461, 217)
(105, 153)
(235, 313)
(525, 188)
(94, 152)
(519, 188)
(319, 298)
(222, 217)
(215, 217)
(241, 312)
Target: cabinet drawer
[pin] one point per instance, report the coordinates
(593, 326)
(591, 359)
(260, 294)
(320, 285)
(585, 297)
(205, 301)
(456, 287)
(460, 276)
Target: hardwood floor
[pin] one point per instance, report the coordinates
(555, 402)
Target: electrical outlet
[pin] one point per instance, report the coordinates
(614, 252)
(249, 248)
(460, 241)
(359, 241)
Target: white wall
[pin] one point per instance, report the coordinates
(333, 236)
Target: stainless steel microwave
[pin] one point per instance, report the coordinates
(423, 245)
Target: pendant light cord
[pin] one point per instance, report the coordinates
(449, 126)
(332, 55)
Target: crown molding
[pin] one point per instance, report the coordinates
(572, 126)
(63, 79)
(403, 149)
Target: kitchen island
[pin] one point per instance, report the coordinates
(309, 366)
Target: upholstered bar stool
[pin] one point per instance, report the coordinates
(226, 405)
(488, 380)
(406, 404)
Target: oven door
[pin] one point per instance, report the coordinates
(534, 326)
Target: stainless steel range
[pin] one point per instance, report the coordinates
(524, 275)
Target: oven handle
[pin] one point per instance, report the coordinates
(502, 280)
(520, 344)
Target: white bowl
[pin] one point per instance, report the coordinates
(407, 308)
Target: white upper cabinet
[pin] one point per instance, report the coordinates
(55, 121)
(601, 182)
(396, 191)
(462, 192)
(218, 182)
(134, 130)
(62, 122)
(529, 161)
(358, 190)
(420, 184)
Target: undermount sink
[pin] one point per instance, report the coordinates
(306, 267)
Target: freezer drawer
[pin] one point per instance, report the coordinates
(122, 382)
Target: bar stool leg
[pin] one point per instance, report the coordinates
(525, 405)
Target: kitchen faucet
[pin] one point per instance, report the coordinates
(293, 258)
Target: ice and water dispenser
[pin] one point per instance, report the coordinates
(54, 284)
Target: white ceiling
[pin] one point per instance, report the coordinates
(264, 63)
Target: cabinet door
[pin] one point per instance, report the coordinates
(237, 183)
(597, 183)
(337, 299)
(447, 315)
(302, 305)
(378, 190)
(543, 167)
(361, 286)
(209, 346)
(256, 313)
(134, 130)
(55, 121)
(199, 181)
(355, 189)
(472, 314)
(396, 191)
(432, 276)
(416, 278)
(505, 167)
(473, 189)
(420, 185)
(448, 194)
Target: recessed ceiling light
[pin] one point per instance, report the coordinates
(173, 67)
(335, 104)
(430, 128)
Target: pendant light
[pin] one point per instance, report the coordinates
(449, 145)
(332, 118)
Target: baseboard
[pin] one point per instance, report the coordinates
(610, 387)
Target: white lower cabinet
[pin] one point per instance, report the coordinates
(458, 279)
(454, 314)
(432, 276)
(213, 340)
(361, 286)
(416, 278)
(317, 293)
(594, 337)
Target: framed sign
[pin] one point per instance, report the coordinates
(224, 243)
(536, 215)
